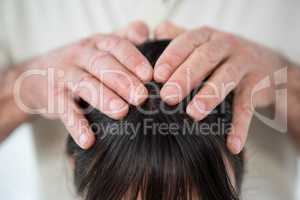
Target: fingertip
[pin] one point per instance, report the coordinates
(167, 30)
(196, 110)
(169, 94)
(138, 95)
(145, 72)
(234, 144)
(138, 31)
(141, 26)
(117, 106)
(86, 140)
(137, 37)
(160, 31)
(120, 113)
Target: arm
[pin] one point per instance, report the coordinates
(10, 114)
(293, 112)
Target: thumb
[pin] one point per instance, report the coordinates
(168, 30)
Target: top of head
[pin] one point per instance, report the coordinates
(157, 152)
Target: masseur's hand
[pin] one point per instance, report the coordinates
(106, 70)
(234, 62)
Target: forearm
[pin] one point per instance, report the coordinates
(293, 99)
(11, 116)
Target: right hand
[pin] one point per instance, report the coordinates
(106, 70)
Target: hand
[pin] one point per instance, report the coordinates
(233, 63)
(103, 70)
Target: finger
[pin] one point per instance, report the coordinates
(167, 30)
(127, 54)
(177, 51)
(136, 32)
(193, 71)
(214, 91)
(242, 114)
(121, 49)
(86, 86)
(114, 75)
(75, 122)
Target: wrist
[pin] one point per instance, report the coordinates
(25, 91)
(8, 96)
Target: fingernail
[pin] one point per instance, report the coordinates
(162, 72)
(139, 37)
(83, 139)
(196, 110)
(138, 95)
(145, 72)
(171, 93)
(116, 105)
(236, 144)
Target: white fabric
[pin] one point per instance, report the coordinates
(32, 27)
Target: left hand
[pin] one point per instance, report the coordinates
(233, 63)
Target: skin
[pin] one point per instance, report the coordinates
(83, 62)
(191, 56)
(233, 61)
(10, 114)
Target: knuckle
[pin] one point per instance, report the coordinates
(94, 60)
(127, 51)
(134, 59)
(194, 37)
(215, 49)
(232, 72)
(208, 55)
(123, 44)
(85, 42)
(110, 42)
(96, 37)
(203, 29)
(124, 81)
(88, 41)
(230, 39)
(245, 109)
(83, 79)
(206, 29)
(214, 53)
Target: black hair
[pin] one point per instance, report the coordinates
(184, 163)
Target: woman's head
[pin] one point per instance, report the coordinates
(157, 152)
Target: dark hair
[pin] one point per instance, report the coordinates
(181, 164)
